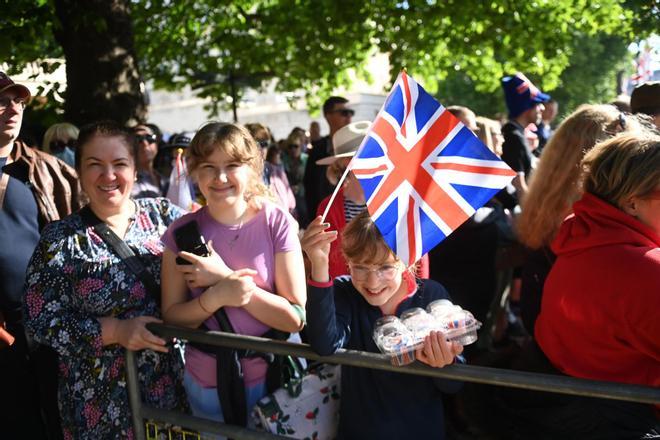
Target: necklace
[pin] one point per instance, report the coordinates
(234, 239)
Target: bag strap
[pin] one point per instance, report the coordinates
(124, 252)
(4, 181)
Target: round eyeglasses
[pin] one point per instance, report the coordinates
(386, 272)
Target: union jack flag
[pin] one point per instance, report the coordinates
(422, 171)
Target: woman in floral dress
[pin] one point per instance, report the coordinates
(88, 305)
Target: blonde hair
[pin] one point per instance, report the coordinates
(555, 183)
(625, 166)
(235, 141)
(59, 132)
(297, 136)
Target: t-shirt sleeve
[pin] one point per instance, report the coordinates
(283, 228)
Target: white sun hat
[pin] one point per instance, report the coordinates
(346, 141)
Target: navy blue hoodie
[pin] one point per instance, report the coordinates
(375, 403)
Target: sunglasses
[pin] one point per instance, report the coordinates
(345, 112)
(149, 138)
(57, 146)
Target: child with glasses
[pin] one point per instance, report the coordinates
(342, 314)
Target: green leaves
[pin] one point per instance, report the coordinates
(220, 48)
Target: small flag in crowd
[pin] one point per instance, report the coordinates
(422, 171)
(179, 190)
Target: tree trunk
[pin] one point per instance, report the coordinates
(103, 80)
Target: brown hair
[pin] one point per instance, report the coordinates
(625, 166)
(237, 143)
(259, 131)
(362, 242)
(105, 129)
(555, 183)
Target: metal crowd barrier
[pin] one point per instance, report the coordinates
(466, 373)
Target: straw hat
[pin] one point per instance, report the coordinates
(346, 141)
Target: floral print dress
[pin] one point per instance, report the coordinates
(73, 279)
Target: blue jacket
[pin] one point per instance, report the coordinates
(375, 404)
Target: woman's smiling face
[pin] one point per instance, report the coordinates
(107, 172)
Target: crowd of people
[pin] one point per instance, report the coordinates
(94, 251)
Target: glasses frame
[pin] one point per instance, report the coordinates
(379, 271)
(19, 101)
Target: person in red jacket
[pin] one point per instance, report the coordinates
(598, 315)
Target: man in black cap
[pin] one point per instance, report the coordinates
(35, 189)
(646, 99)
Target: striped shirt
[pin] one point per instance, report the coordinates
(351, 209)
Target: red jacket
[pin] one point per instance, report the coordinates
(599, 313)
(337, 220)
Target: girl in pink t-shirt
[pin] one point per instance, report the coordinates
(255, 271)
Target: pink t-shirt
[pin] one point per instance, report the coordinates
(253, 246)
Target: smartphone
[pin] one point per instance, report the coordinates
(188, 238)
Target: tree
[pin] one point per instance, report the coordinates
(302, 44)
(97, 42)
(590, 77)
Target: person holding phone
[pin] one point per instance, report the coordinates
(87, 303)
(254, 271)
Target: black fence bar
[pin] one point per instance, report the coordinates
(468, 373)
(134, 397)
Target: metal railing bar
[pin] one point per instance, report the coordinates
(468, 373)
(206, 425)
(134, 397)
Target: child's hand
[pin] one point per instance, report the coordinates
(316, 244)
(316, 241)
(438, 351)
(203, 271)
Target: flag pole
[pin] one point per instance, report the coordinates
(334, 193)
(348, 168)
